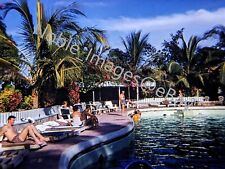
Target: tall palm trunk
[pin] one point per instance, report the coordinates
(35, 92)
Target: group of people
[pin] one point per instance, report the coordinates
(136, 115)
(30, 131)
(79, 118)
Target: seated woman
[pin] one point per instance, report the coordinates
(65, 105)
(88, 118)
(76, 115)
(30, 131)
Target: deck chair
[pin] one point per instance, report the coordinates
(60, 129)
(28, 144)
(60, 133)
(99, 108)
(65, 113)
(110, 106)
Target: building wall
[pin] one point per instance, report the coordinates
(108, 93)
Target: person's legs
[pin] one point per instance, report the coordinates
(28, 131)
(36, 132)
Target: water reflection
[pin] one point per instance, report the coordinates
(179, 142)
(171, 141)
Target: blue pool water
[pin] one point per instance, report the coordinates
(195, 139)
(173, 141)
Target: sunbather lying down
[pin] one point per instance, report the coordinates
(13, 136)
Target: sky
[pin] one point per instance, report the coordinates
(118, 18)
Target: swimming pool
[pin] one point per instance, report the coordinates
(195, 140)
(178, 139)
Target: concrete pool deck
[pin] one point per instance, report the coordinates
(58, 155)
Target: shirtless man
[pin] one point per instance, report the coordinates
(11, 134)
(122, 101)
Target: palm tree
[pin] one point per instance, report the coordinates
(186, 68)
(216, 54)
(51, 63)
(9, 60)
(133, 58)
(135, 46)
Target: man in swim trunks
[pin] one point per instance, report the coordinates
(122, 101)
(13, 136)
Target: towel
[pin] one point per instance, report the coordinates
(42, 128)
(51, 123)
(62, 121)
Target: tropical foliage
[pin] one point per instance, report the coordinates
(74, 94)
(10, 99)
(9, 57)
(185, 64)
(52, 64)
(53, 55)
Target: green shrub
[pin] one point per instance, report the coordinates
(10, 99)
(27, 103)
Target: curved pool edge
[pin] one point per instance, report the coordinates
(179, 108)
(69, 153)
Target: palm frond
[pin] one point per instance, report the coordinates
(8, 64)
(182, 79)
(174, 68)
(192, 46)
(135, 45)
(200, 77)
(222, 74)
(27, 29)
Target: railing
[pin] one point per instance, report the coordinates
(35, 114)
(170, 99)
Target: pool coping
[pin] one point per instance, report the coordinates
(180, 108)
(96, 142)
(59, 155)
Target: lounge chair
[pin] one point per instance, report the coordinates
(57, 131)
(62, 132)
(65, 113)
(28, 144)
(60, 129)
(81, 106)
(55, 126)
(110, 106)
(99, 108)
